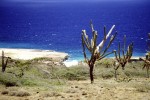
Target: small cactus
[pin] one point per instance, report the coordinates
(147, 60)
(97, 51)
(122, 56)
(4, 63)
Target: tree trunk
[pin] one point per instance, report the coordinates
(91, 73)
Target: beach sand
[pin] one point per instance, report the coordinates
(28, 54)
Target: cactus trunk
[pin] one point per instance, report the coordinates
(3, 65)
(147, 72)
(91, 73)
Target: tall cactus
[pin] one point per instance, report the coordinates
(4, 63)
(122, 55)
(97, 52)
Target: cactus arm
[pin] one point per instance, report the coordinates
(106, 55)
(127, 53)
(124, 46)
(85, 57)
(94, 43)
(116, 56)
(117, 67)
(100, 46)
(131, 50)
(104, 31)
(119, 50)
(86, 42)
(92, 26)
(6, 63)
(110, 42)
(86, 37)
(100, 49)
(123, 53)
(124, 43)
(147, 61)
(2, 58)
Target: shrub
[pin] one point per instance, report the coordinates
(73, 73)
(143, 87)
(8, 79)
(28, 82)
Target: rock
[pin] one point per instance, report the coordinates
(84, 93)
(76, 87)
(5, 92)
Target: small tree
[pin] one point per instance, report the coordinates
(123, 56)
(97, 52)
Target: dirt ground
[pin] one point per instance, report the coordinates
(108, 89)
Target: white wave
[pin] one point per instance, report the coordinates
(70, 63)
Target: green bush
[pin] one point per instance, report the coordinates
(8, 79)
(28, 82)
(73, 73)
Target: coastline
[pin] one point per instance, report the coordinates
(28, 54)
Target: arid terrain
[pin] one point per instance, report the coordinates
(137, 89)
(47, 79)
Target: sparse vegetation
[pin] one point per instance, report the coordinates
(19, 93)
(51, 81)
(144, 87)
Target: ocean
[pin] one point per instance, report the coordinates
(58, 25)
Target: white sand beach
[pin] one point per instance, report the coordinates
(27, 54)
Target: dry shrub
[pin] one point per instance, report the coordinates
(55, 94)
(19, 93)
(4, 92)
(142, 87)
(22, 93)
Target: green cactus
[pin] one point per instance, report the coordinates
(4, 63)
(97, 52)
(122, 56)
